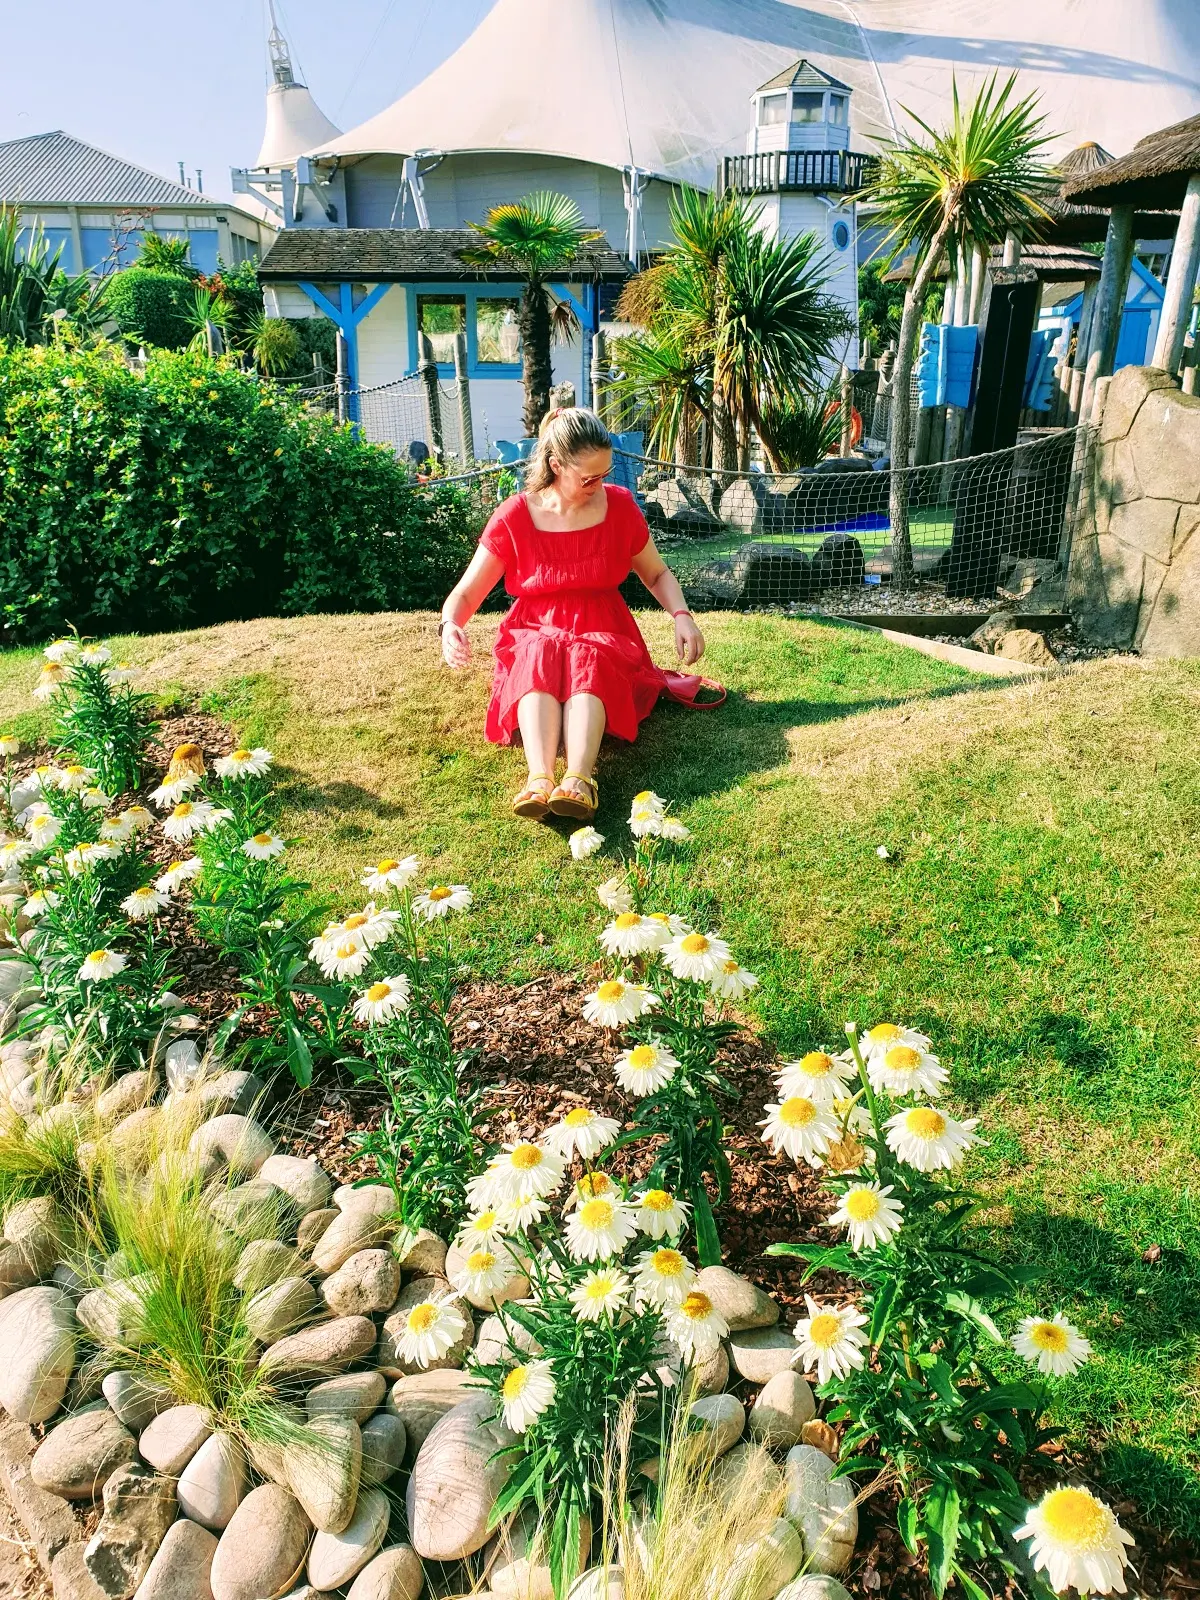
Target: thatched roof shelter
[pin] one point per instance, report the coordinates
(1153, 176)
(1053, 263)
(1073, 223)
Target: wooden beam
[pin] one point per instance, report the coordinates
(1110, 304)
(1181, 282)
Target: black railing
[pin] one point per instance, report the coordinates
(776, 170)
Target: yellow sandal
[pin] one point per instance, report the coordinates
(531, 803)
(565, 804)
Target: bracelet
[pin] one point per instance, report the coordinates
(684, 613)
(444, 624)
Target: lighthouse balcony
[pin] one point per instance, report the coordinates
(781, 171)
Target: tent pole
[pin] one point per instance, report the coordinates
(1181, 282)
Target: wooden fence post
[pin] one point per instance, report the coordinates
(342, 380)
(466, 427)
(428, 373)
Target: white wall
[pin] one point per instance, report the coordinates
(383, 340)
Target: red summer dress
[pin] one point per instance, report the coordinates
(569, 631)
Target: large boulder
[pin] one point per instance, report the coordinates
(822, 1508)
(455, 1481)
(422, 1399)
(261, 1552)
(394, 1574)
(367, 1281)
(350, 1394)
(139, 1507)
(770, 574)
(326, 1348)
(334, 1558)
(838, 562)
(742, 1303)
(37, 1352)
(77, 1458)
(180, 1570)
(172, 1438)
(305, 1183)
(214, 1482)
(323, 1471)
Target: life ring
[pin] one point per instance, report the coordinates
(856, 421)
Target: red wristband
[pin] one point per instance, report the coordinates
(684, 613)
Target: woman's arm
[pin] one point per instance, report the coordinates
(463, 601)
(664, 586)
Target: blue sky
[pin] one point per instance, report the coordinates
(160, 81)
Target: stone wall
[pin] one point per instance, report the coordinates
(1134, 578)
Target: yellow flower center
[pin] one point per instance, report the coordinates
(658, 1200)
(594, 1184)
(598, 1289)
(668, 1263)
(1049, 1336)
(526, 1157)
(730, 966)
(884, 1033)
(628, 919)
(356, 921)
(379, 991)
(98, 955)
(514, 1384)
(660, 916)
(240, 755)
(923, 1122)
(641, 798)
(1074, 1518)
(188, 754)
(694, 944)
(902, 1058)
(797, 1112)
(642, 1057)
(862, 1205)
(480, 1261)
(596, 1214)
(610, 991)
(183, 809)
(421, 1318)
(440, 892)
(345, 951)
(484, 1222)
(265, 839)
(581, 1117)
(387, 866)
(697, 1306)
(825, 1330)
(73, 771)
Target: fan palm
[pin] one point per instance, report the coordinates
(536, 237)
(956, 189)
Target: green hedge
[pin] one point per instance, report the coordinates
(150, 306)
(190, 493)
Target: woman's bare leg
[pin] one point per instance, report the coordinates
(540, 719)
(583, 729)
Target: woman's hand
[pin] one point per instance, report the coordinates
(689, 641)
(456, 647)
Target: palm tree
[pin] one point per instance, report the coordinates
(538, 237)
(960, 188)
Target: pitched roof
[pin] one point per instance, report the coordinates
(803, 75)
(56, 169)
(1154, 174)
(411, 255)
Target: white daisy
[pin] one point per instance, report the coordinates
(383, 1000)
(346, 959)
(441, 900)
(120, 672)
(85, 856)
(733, 982)
(377, 925)
(600, 1294)
(599, 1229)
(144, 903)
(868, 1214)
(179, 873)
(630, 935)
(673, 831)
(94, 798)
(830, 1340)
(482, 1231)
(647, 800)
(818, 1077)
(928, 1139)
(390, 874)
(189, 817)
(102, 964)
(696, 1326)
(522, 1212)
(664, 1277)
(645, 1068)
(523, 1168)
(585, 842)
(264, 846)
(41, 901)
(136, 818)
(430, 1329)
(216, 817)
(172, 790)
(1053, 1344)
(50, 680)
(615, 895)
(95, 655)
(482, 1273)
(116, 831)
(243, 764)
(1077, 1541)
(73, 778)
(700, 957)
(645, 824)
(615, 1003)
(14, 852)
(801, 1128)
(906, 1069)
(10, 745)
(582, 1133)
(661, 1215)
(526, 1392)
(594, 1186)
(62, 650)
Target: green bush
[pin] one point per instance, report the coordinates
(190, 493)
(150, 306)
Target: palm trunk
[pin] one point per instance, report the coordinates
(534, 319)
(910, 327)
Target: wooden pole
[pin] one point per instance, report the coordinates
(847, 405)
(1012, 249)
(342, 380)
(428, 373)
(599, 373)
(462, 384)
(1181, 282)
(1110, 303)
(976, 300)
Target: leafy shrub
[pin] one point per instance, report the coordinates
(150, 306)
(189, 494)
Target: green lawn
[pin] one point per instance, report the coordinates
(1036, 915)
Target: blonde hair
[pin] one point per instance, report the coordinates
(565, 432)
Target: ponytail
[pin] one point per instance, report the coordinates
(565, 432)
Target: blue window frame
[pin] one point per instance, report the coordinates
(470, 296)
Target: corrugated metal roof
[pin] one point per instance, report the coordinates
(55, 169)
(802, 76)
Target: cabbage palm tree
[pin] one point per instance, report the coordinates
(537, 237)
(956, 189)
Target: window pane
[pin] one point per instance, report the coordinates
(442, 316)
(497, 336)
(772, 110)
(837, 110)
(202, 250)
(808, 107)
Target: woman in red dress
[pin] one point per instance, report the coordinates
(570, 661)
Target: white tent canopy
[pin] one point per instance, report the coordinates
(295, 122)
(664, 85)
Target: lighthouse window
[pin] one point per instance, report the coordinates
(497, 335)
(808, 107)
(841, 235)
(772, 110)
(442, 316)
(837, 110)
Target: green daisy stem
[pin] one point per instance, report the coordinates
(882, 1151)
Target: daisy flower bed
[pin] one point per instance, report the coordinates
(326, 1269)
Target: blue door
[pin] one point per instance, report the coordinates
(1132, 339)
